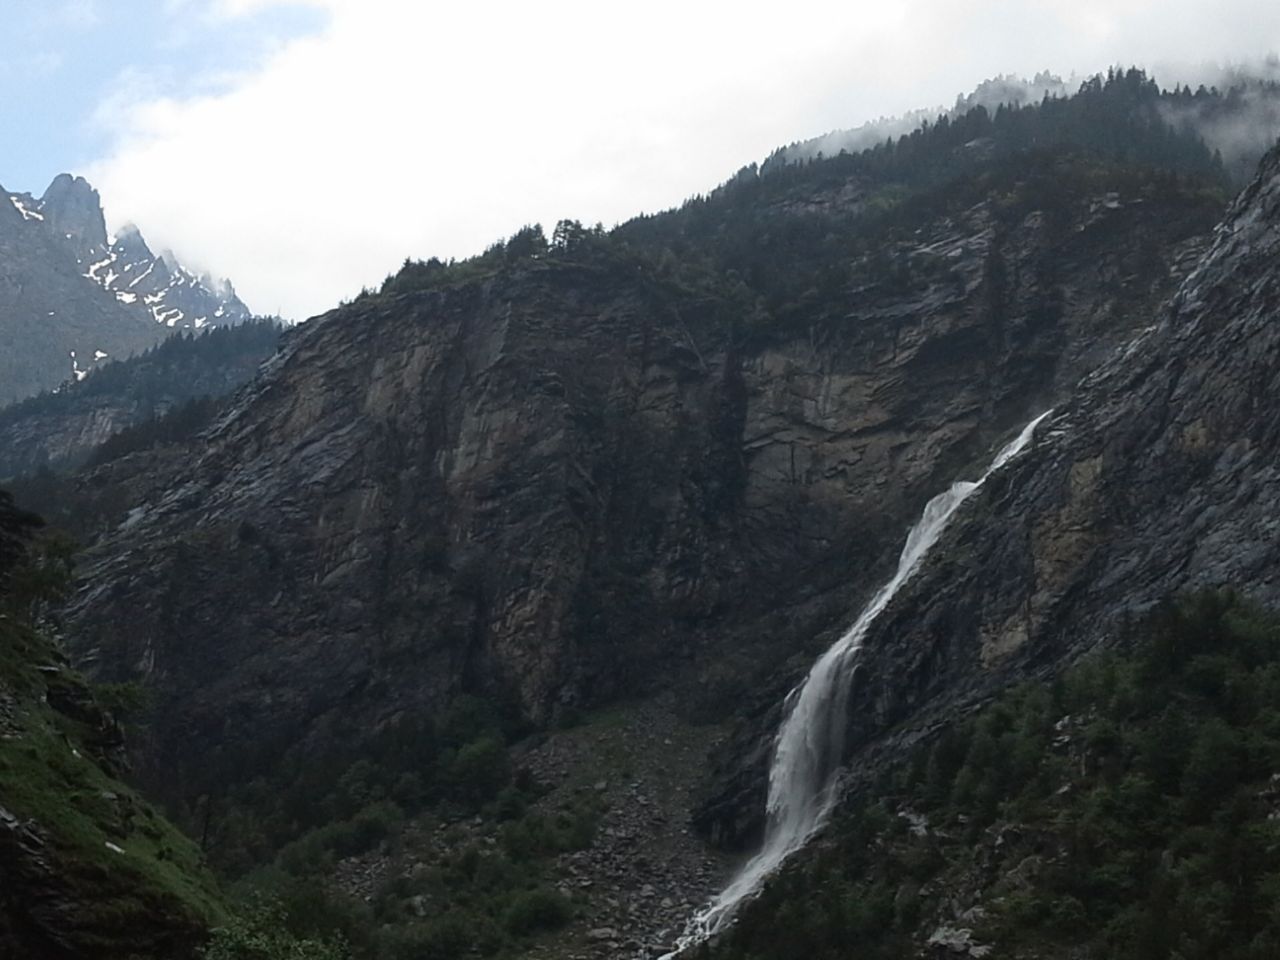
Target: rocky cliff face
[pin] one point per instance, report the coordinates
(564, 480)
(1155, 475)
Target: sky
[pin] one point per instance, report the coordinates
(305, 148)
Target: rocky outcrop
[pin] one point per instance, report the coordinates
(72, 209)
(570, 479)
(1156, 476)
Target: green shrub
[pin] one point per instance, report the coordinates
(538, 909)
(510, 804)
(443, 938)
(262, 935)
(479, 770)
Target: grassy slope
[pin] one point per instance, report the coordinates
(152, 897)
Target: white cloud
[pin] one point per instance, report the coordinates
(432, 129)
(240, 8)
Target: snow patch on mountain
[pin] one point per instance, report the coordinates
(123, 265)
(27, 212)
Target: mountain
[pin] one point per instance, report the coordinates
(59, 430)
(71, 297)
(455, 615)
(689, 462)
(124, 265)
(604, 485)
(1235, 111)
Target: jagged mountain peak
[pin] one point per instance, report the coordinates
(70, 185)
(125, 266)
(72, 209)
(129, 238)
(76, 295)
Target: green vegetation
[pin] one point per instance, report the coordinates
(165, 371)
(262, 934)
(117, 878)
(445, 786)
(174, 426)
(485, 888)
(85, 858)
(278, 834)
(855, 215)
(1130, 809)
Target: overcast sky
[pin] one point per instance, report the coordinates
(305, 148)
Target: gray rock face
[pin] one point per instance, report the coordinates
(71, 296)
(1157, 475)
(124, 266)
(571, 481)
(53, 321)
(72, 209)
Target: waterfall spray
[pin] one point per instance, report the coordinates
(803, 780)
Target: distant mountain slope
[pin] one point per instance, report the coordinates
(71, 296)
(1237, 114)
(54, 321)
(59, 429)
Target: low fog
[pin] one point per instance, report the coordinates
(1242, 129)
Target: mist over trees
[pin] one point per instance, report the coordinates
(1234, 110)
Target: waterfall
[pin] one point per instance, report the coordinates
(803, 781)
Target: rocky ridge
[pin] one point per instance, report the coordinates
(123, 264)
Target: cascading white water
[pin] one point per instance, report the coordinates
(803, 780)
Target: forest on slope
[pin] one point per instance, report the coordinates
(168, 391)
(1130, 808)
